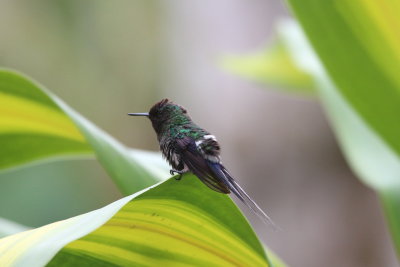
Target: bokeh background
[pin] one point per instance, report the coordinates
(107, 58)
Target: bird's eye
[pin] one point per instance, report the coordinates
(153, 113)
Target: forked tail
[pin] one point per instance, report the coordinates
(234, 187)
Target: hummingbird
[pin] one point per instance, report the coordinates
(189, 148)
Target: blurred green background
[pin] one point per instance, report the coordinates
(107, 58)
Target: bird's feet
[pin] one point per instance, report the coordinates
(172, 172)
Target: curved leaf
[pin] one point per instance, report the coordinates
(32, 126)
(8, 227)
(358, 44)
(375, 162)
(36, 124)
(175, 222)
(373, 159)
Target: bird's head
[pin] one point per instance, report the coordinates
(165, 113)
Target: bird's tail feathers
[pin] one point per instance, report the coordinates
(236, 189)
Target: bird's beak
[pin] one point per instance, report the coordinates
(138, 114)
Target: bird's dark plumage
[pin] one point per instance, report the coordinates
(187, 147)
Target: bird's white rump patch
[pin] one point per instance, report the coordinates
(206, 137)
(210, 136)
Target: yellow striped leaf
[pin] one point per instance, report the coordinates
(358, 42)
(32, 126)
(373, 159)
(176, 223)
(37, 125)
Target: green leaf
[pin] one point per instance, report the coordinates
(358, 44)
(8, 227)
(374, 161)
(273, 67)
(372, 158)
(176, 222)
(32, 126)
(37, 125)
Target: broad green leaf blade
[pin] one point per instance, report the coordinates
(174, 223)
(371, 158)
(273, 67)
(358, 44)
(32, 126)
(375, 162)
(200, 227)
(37, 125)
(8, 227)
(36, 247)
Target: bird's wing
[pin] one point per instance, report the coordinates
(214, 174)
(199, 165)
